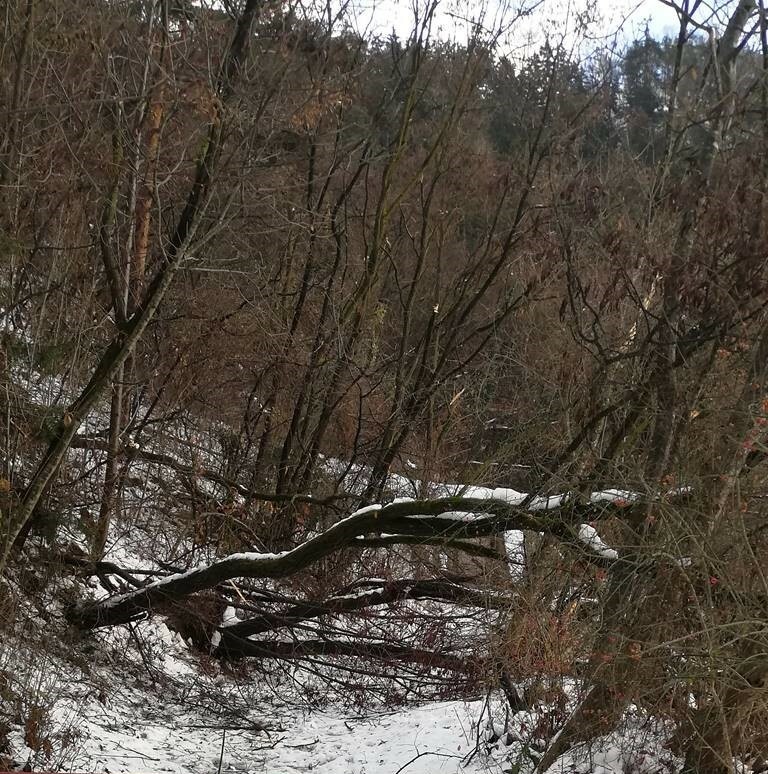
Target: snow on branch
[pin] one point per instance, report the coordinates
(446, 518)
(588, 535)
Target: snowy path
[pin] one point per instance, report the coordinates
(434, 738)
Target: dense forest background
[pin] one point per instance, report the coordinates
(258, 272)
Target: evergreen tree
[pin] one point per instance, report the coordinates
(645, 75)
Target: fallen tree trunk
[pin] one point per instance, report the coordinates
(367, 650)
(448, 518)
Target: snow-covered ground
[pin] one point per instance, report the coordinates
(145, 703)
(148, 704)
(434, 738)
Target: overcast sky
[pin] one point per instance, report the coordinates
(627, 18)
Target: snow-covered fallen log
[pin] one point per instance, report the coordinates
(448, 518)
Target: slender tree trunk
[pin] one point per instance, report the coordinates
(129, 298)
(9, 145)
(109, 493)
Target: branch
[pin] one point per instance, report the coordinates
(359, 596)
(686, 17)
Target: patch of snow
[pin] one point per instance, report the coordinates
(588, 535)
(614, 496)
(514, 545)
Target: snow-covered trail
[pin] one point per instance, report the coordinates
(432, 739)
(162, 709)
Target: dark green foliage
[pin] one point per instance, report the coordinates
(645, 74)
(543, 91)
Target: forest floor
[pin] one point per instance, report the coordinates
(143, 702)
(137, 699)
